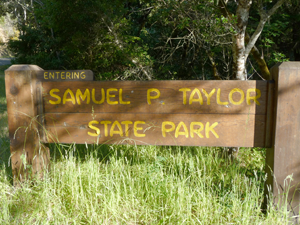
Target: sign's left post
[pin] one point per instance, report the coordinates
(29, 156)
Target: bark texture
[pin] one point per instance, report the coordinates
(241, 51)
(242, 15)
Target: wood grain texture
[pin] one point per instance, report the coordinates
(171, 100)
(283, 159)
(270, 114)
(233, 130)
(242, 124)
(28, 155)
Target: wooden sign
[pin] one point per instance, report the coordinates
(199, 113)
(65, 75)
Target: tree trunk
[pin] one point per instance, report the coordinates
(265, 73)
(242, 15)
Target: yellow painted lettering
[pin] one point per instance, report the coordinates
(46, 75)
(57, 75)
(102, 96)
(71, 99)
(62, 75)
(76, 75)
(239, 91)
(199, 99)
(68, 75)
(208, 96)
(219, 102)
(55, 96)
(121, 98)
(108, 96)
(149, 97)
(196, 131)
(113, 131)
(185, 131)
(126, 123)
(51, 75)
(211, 129)
(184, 91)
(165, 130)
(96, 129)
(136, 128)
(254, 98)
(84, 96)
(105, 122)
(82, 75)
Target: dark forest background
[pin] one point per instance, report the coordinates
(147, 39)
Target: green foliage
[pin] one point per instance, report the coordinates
(278, 41)
(147, 39)
(3, 8)
(278, 57)
(35, 47)
(178, 37)
(81, 35)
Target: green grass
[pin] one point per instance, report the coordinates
(90, 184)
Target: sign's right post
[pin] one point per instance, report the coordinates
(283, 158)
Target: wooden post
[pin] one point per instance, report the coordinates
(283, 159)
(29, 157)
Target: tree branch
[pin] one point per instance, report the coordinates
(264, 16)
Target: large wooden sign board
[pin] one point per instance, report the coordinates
(199, 113)
(43, 107)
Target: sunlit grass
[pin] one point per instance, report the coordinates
(139, 185)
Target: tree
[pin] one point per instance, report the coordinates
(282, 34)
(186, 33)
(242, 44)
(185, 37)
(56, 34)
(165, 39)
